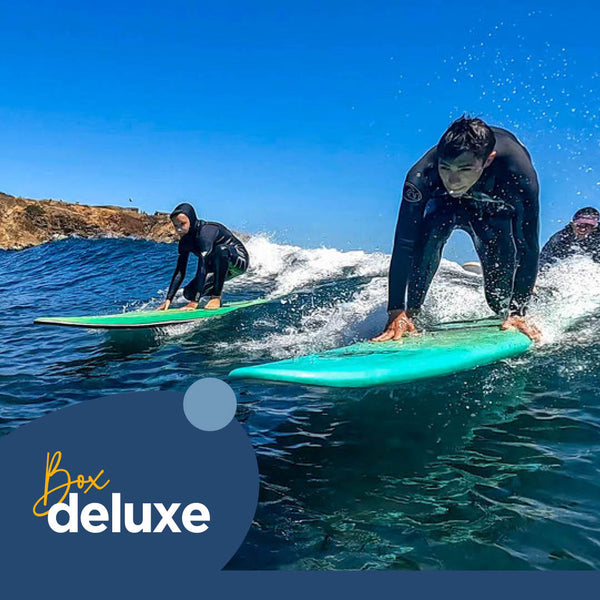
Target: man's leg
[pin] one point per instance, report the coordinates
(189, 291)
(437, 225)
(227, 262)
(209, 285)
(495, 246)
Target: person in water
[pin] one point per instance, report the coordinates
(221, 256)
(580, 236)
(479, 179)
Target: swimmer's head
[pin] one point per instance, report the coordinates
(464, 151)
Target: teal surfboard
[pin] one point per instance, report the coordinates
(141, 319)
(451, 348)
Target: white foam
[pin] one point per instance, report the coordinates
(567, 295)
(320, 328)
(287, 268)
(454, 295)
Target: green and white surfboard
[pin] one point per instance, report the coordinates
(142, 319)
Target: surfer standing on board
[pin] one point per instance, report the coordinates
(580, 237)
(221, 256)
(479, 179)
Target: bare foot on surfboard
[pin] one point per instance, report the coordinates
(524, 325)
(213, 303)
(190, 306)
(398, 327)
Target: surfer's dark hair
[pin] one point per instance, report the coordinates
(466, 135)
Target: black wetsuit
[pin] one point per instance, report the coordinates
(221, 256)
(565, 243)
(500, 213)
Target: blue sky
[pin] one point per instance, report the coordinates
(293, 119)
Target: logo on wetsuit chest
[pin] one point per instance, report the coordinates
(411, 193)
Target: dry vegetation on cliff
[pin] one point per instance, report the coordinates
(25, 223)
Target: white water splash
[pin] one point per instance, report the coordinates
(567, 295)
(285, 269)
(455, 295)
(322, 327)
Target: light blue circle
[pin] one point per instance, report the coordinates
(209, 404)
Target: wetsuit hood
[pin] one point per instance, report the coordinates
(187, 210)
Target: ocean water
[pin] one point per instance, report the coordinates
(495, 468)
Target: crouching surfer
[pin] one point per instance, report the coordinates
(479, 179)
(221, 256)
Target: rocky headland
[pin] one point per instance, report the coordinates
(25, 223)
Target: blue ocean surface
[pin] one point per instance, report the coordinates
(495, 468)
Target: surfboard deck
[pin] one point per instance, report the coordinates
(142, 319)
(452, 348)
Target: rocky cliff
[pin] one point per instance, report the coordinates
(25, 223)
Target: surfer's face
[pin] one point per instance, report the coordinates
(582, 230)
(181, 224)
(460, 174)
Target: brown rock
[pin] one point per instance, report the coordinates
(25, 223)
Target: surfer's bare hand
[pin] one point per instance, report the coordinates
(213, 303)
(524, 325)
(165, 305)
(190, 306)
(399, 326)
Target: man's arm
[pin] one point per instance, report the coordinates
(410, 216)
(414, 198)
(179, 274)
(408, 227)
(525, 192)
